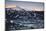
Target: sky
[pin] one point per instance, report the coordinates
(39, 6)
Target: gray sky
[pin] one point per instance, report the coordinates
(26, 5)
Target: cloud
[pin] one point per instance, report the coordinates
(27, 5)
